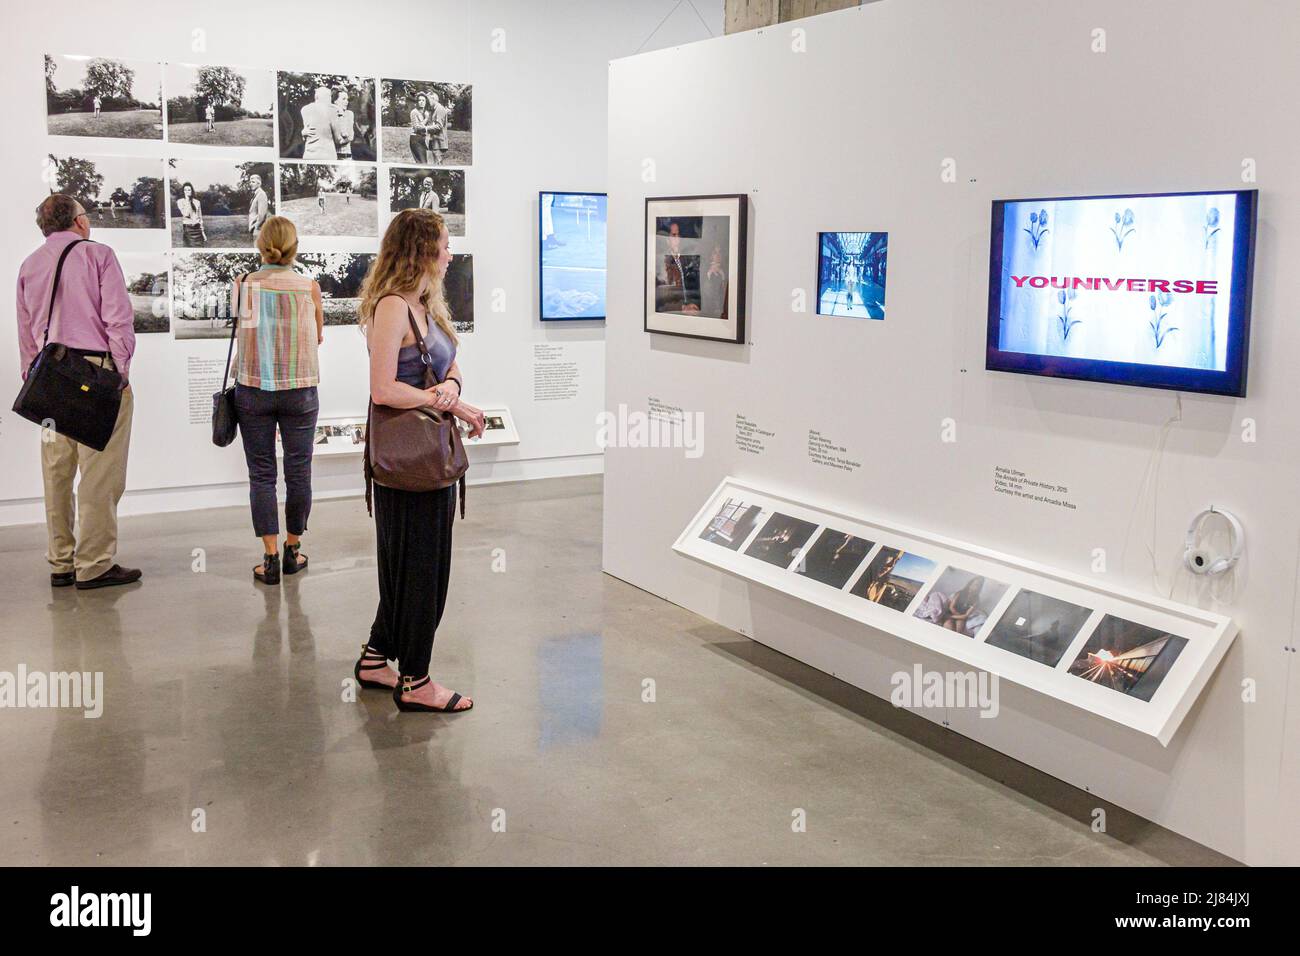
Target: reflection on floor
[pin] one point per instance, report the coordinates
(227, 698)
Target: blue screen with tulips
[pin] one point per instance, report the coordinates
(1139, 289)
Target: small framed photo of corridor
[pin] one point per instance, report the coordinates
(695, 266)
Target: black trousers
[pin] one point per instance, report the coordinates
(294, 410)
(413, 532)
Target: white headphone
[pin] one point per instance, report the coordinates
(1201, 561)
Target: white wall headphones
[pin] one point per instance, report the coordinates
(1200, 560)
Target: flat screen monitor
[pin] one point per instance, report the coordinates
(572, 268)
(1151, 289)
(851, 272)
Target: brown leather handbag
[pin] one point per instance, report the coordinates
(414, 449)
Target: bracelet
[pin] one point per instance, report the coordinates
(459, 387)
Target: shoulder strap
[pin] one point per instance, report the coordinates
(234, 327)
(54, 288)
(419, 341)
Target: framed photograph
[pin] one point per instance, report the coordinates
(217, 203)
(117, 192)
(572, 255)
(851, 273)
(330, 199)
(146, 284)
(427, 123)
(1039, 626)
(442, 190)
(202, 287)
(961, 601)
(340, 275)
(695, 266)
(833, 557)
(893, 578)
(1131, 658)
(499, 427)
(103, 96)
(220, 105)
(326, 117)
(781, 539)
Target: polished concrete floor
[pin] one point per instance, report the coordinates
(227, 698)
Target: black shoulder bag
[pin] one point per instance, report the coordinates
(225, 421)
(64, 392)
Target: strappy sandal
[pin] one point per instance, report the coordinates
(268, 572)
(293, 561)
(406, 686)
(377, 662)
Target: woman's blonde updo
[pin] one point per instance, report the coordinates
(278, 241)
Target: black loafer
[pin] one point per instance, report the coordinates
(63, 579)
(111, 578)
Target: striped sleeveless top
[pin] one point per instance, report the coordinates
(277, 331)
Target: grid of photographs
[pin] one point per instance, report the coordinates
(243, 144)
(1121, 655)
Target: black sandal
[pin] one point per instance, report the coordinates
(293, 561)
(268, 572)
(378, 662)
(406, 686)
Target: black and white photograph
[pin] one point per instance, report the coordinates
(202, 284)
(695, 266)
(781, 539)
(961, 601)
(218, 203)
(1131, 658)
(893, 578)
(146, 284)
(330, 199)
(441, 190)
(1039, 627)
(735, 519)
(326, 116)
(427, 123)
(210, 105)
(340, 275)
(833, 558)
(117, 192)
(458, 285)
(103, 96)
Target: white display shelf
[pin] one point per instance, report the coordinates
(1139, 676)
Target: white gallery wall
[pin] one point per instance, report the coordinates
(539, 75)
(849, 122)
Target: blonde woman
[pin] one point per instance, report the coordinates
(413, 528)
(281, 324)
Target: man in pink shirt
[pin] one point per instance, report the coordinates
(92, 317)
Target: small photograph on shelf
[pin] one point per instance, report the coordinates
(326, 116)
(458, 287)
(340, 275)
(338, 436)
(893, 578)
(427, 123)
(442, 190)
(833, 558)
(781, 539)
(851, 274)
(103, 96)
(202, 284)
(498, 427)
(330, 199)
(1130, 658)
(573, 255)
(220, 105)
(695, 266)
(1038, 627)
(146, 284)
(117, 192)
(219, 204)
(732, 524)
(961, 601)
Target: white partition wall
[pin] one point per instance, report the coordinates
(538, 73)
(909, 117)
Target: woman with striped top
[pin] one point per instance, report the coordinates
(281, 323)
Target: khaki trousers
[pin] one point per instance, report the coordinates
(103, 479)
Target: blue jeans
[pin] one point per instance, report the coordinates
(294, 410)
